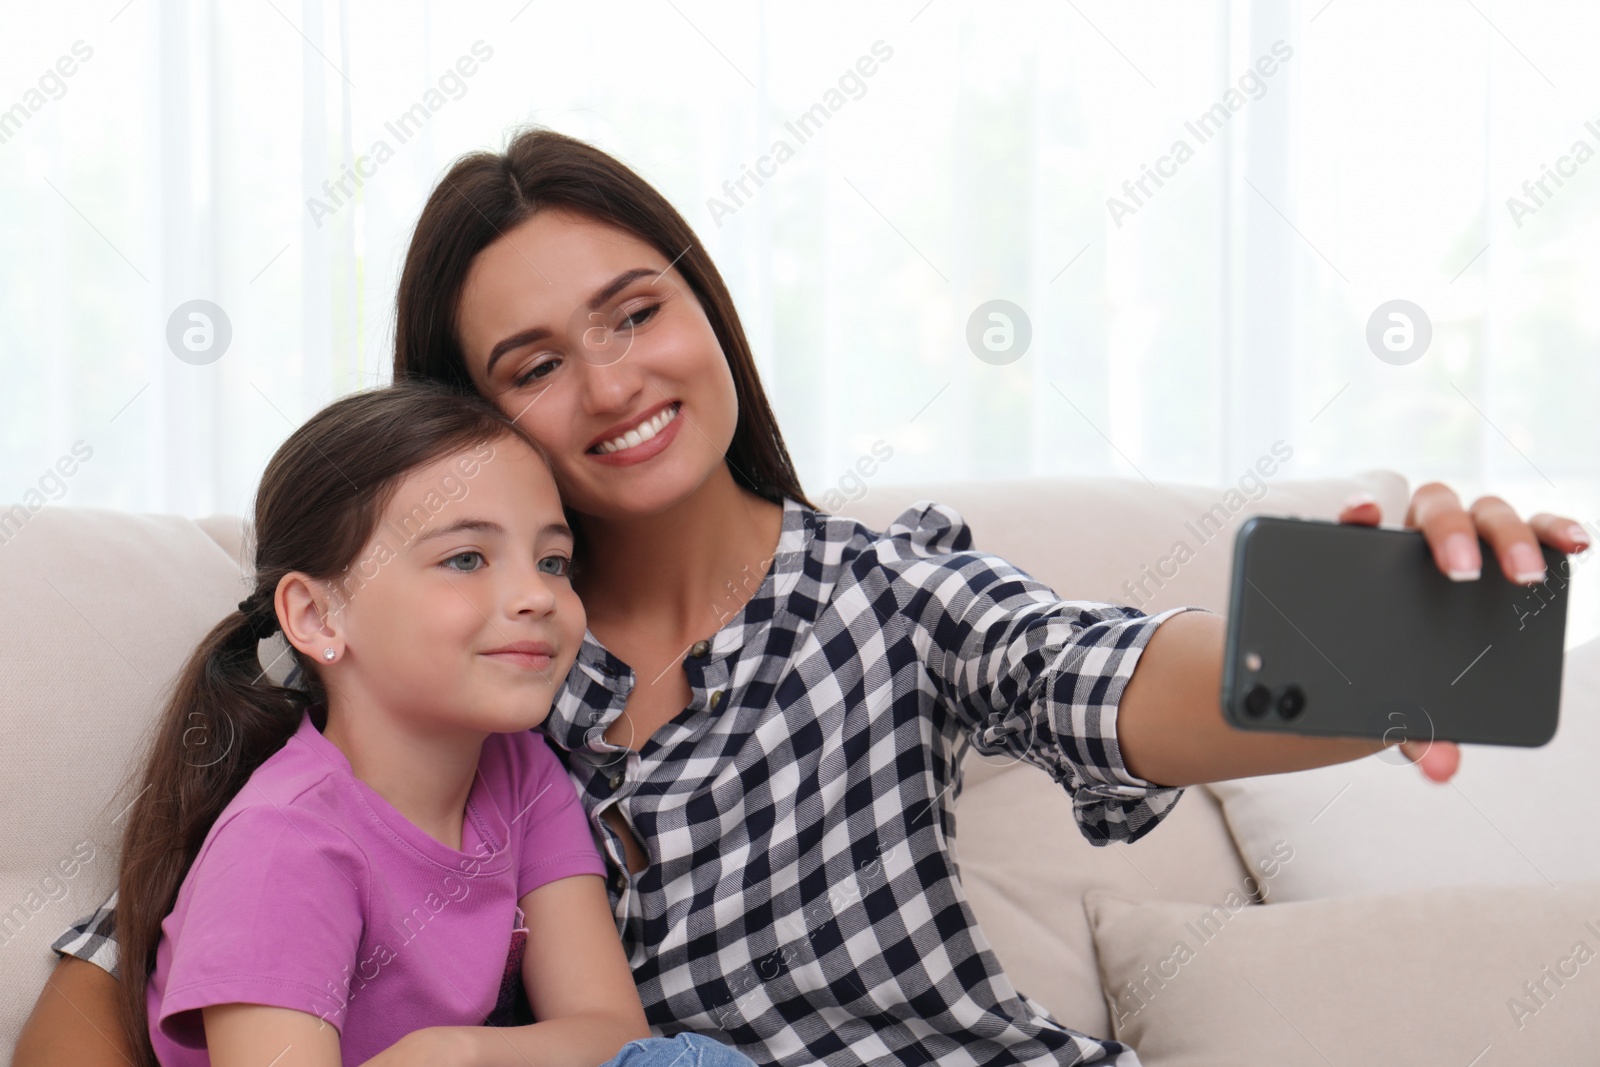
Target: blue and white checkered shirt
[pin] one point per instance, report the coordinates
(801, 899)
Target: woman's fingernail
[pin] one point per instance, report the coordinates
(1460, 556)
(1357, 499)
(1579, 535)
(1527, 564)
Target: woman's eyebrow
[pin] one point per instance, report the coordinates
(617, 284)
(515, 341)
(539, 333)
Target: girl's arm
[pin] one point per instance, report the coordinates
(74, 1022)
(249, 1035)
(1170, 727)
(578, 983)
(253, 1035)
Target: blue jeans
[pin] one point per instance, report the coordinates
(685, 1050)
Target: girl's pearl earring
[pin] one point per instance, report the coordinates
(328, 653)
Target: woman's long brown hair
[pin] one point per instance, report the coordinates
(317, 508)
(486, 194)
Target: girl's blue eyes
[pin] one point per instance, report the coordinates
(542, 370)
(562, 564)
(463, 555)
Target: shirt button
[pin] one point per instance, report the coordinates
(616, 780)
(700, 648)
(716, 698)
(618, 882)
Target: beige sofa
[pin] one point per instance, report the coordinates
(1159, 941)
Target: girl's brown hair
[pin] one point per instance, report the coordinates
(485, 194)
(318, 506)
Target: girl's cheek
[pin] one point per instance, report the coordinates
(577, 618)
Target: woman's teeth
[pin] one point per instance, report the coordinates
(641, 433)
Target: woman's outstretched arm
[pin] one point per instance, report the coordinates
(1169, 726)
(74, 1023)
(1172, 731)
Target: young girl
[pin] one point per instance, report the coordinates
(372, 864)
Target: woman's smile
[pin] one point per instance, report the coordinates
(640, 438)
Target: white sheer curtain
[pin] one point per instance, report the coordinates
(1188, 309)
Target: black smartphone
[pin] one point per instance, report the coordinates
(1336, 629)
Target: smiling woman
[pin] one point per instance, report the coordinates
(543, 187)
(590, 396)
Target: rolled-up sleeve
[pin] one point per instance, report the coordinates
(93, 938)
(1027, 674)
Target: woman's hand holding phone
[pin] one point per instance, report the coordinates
(1452, 534)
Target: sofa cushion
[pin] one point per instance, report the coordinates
(106, 606)
(1025, 868)
(1454, 977)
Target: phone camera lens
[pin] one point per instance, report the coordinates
(1291, 702)
(1257, 699)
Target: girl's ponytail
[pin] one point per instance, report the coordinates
(319, 504)
(225, 717)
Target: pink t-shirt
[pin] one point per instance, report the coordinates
(312, 892)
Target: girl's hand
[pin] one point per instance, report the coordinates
(1452, 533)
(432, 1046)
